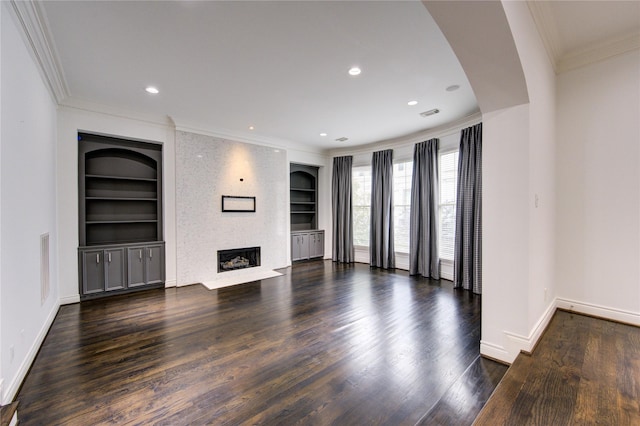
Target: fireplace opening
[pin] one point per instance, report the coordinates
(241, 258)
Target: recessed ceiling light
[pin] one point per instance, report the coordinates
(342, 139)
(251, 127)
(452, 88)
(355, 71)
(412, 103)
(152, 90)
(323, 134)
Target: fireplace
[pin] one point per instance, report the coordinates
(241, 258)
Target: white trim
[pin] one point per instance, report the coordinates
(170, 283)
(599, 52)
(494, 351)
(361, 254)
(605, 312)
(446, 269)
(408, 140)
(227, 134)
(547, 28)
(13, 387)
(33, 23)
(70, 300)
(402, 261)
(14, 419)
(516, 343)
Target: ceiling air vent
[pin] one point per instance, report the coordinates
(430, 112)
(342, 139)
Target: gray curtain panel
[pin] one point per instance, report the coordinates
(467, 270)
(342, 214)
(423, 238)
(381, 250)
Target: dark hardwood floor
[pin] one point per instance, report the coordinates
(323, 344)
(584, 371)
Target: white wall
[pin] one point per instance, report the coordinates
(27, 206)
(209, 167)
(72, 120)
(599, 188)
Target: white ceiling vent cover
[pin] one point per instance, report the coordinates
(430, 112)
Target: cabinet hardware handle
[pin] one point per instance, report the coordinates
(140, 254)
(150, 253)
(109, 257)
(97, 257)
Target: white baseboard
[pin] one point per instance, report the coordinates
(14, 384)
(494, 351)
(516, 343)
(170, 283)
(69, 300)
(605, 312)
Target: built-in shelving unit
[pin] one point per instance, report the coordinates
(120, 205)
(303, 191)
(303, 199)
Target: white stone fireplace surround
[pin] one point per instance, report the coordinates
(208, 168)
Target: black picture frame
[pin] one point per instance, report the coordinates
(238, 204)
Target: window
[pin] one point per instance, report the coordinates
(447, 207)
(361, 203)
(402, 173)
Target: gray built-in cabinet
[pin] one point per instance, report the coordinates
(120, 215)
(307, 245)
(307, 242)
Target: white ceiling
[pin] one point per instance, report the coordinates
(282, 66)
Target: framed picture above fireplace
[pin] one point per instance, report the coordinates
(232, 203)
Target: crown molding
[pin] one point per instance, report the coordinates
(33, 23)
(413, 138)
(96, 108)
(547, 28)
(599, 52)
(230, 135)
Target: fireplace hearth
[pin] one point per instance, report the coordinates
(240, 258)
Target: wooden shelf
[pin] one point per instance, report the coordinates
(120, 178)
(120, 199)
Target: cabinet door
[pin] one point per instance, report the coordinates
(317, 244)
(92, 271)
(304, 246)
(155, 264)
(135, 266)
(295, 247)
(114, 269)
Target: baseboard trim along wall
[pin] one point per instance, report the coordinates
(604, 312)
(16, 381)
(70, 300)
(515, 343)
(170, 283)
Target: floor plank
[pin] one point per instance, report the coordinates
(323, 344)
(584, 371)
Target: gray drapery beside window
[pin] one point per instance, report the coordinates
(342, 214)
(467, 269)
(423, 239)
(381, 250)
